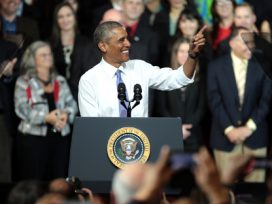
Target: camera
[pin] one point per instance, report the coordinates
(76, 185)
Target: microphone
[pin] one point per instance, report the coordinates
(137, 94)
(121, 92)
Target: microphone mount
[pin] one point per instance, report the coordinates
(123, 98)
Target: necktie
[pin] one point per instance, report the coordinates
(241, 81)
(122, 110)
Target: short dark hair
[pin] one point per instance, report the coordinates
(236, 30)
(104, 31)
(245, 4)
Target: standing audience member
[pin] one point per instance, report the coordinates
(15, 27)
(239, 124)
(144, 41)
(7, 113)
(166, 23)
(189, 23)
(244, 16)
(21, 31)
(222, 20)
(73, 53)
(113, 15)
(152, 8)
(99, 11)
(45, 105)
(187, 102)
(98, 86)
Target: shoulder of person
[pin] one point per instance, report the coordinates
(137, 62)
(60, 78)
(83, 40)
(91, 72)
(26, 20)
(23, 81)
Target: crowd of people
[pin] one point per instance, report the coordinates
(208, 62)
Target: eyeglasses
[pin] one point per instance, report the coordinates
(223, 2)
(45, 55)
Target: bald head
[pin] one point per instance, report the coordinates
(127, 181)
(113, 15)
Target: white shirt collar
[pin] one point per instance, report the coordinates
(111, 70)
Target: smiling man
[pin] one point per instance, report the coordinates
(98, 87)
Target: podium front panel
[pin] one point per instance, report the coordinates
(88, 156)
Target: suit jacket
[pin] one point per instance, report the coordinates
(224, 103)
(7, 89)
(190, 105)
(28, 28)
(84, 57)
(145, 44)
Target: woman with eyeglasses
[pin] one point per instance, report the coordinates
(45, 105)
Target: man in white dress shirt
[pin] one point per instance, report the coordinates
(98, 88)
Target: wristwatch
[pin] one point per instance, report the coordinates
(193, 55)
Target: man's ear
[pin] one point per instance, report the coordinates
(231, 43)
(102, 46)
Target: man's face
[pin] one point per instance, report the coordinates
(116, 49)
(133, 9)
(241, 44)
(244, 17)
(9, 6)
(113, 15)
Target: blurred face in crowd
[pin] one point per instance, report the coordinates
(188, 27)
(43, 58)
(113, 15)
(66, 19)
(74, 4)
(133, 9)
(239, 45)
(182, 53)
(9, 6)
(115, 50)
(224, 8)
(177, 3)
(243, 16)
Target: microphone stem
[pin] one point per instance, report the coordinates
(129, 110)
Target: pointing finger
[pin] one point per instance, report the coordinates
(202, 30)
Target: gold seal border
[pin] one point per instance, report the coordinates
(127, 130)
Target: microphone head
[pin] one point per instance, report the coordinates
(137, 92)
(137, 88)
(121, 91)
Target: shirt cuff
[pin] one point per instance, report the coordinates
(228, 129)
(189, 80)
(251, 125)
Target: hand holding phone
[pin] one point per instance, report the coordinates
(181, 160)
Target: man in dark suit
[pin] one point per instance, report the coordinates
(144, 41)
(239, 95)
(14, 25)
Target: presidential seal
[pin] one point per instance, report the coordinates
(127, 145)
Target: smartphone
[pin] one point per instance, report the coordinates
(81, 192)
(180, 160)
(262, 163)
(182, 164)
